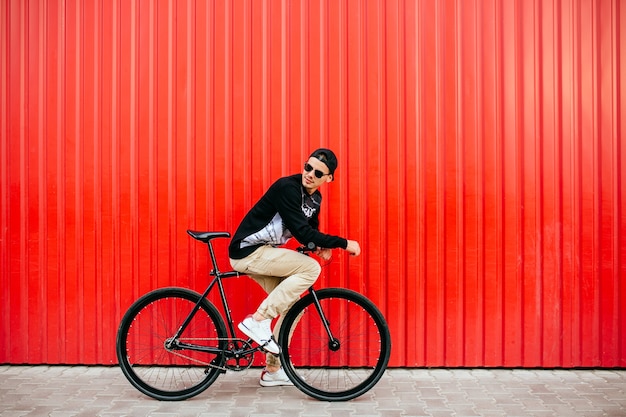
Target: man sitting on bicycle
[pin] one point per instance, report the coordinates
(289, 208)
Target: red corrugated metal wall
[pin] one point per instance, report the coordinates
(481, 164)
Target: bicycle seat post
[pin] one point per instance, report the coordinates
(206, 237)
(215, 270)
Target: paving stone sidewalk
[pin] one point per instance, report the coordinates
(63, 391)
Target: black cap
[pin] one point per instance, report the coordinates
(327, 157)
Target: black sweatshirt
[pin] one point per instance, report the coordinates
(285, 210)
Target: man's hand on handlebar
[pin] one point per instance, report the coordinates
(353, 247)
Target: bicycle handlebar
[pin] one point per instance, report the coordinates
(310, 247)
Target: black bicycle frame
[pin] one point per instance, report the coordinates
(217, 280)
(218, 276)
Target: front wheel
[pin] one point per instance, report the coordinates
(159, 365)
(341, 359)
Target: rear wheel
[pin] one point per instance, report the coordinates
(342, 367)
(155, 363)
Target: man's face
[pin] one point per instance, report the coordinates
(310, 181)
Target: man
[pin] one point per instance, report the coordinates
(289, 208)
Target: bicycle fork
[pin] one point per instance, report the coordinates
(333, 343)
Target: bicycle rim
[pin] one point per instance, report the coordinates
(169, 374)
(340, 369)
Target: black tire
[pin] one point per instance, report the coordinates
(340, 370)
(170, 374)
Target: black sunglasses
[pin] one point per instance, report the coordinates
(308, 168)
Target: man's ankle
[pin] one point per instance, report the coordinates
(258, 317)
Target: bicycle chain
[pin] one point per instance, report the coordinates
(208, 364)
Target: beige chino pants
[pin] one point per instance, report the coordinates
(284, 274)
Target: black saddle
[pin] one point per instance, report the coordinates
(206, 236)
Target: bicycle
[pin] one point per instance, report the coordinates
(173, 343)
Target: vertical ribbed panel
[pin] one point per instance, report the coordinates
(481, 155)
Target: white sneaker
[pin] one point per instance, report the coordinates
(260, 332)
(274, 379)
